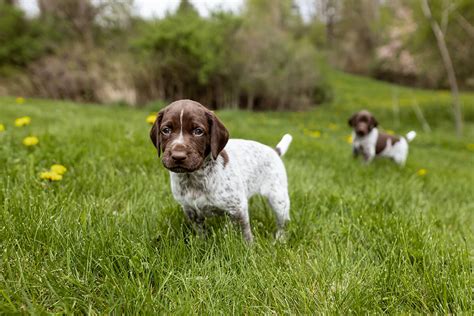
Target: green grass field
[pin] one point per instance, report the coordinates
(109, 237)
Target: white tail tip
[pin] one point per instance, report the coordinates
(283, 145)
(411, 135)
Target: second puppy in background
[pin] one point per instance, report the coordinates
(369, 142)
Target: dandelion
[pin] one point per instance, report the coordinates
(22, 121)
(390, 132)
(314, 134)
(469, 146)
(2, 127)
(422, 172)
(51, 176)
(150, 119)
(332, 126)
(30, 141)
(59, 169)
(20, 100)
(349, 139)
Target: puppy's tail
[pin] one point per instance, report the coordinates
(410, 136)
(283, 145)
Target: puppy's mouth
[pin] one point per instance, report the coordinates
(178, 169)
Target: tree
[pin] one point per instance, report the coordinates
(79, 19)
(278, 70)
(448, 64)
(20, 39)
(186, 7)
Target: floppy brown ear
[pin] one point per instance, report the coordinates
(218, 135)
(352, 120)
(155, 132)
(373, 122)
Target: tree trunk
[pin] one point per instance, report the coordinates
(250, 100)
(448, 64)
(330, 13)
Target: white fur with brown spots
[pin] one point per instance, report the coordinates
(212, 175)
(219, 188)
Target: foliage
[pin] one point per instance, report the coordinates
(109, 238)
(184, 53)
(455, 18)
(226, 60)
(20, 41)
(392, 40)
(264, 57)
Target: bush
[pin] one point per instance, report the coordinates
(185, 56)
(86, 75)
(227, 61)
(258, 60)
(20, 39)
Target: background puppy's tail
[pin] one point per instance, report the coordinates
(283, 145)
(410, 136)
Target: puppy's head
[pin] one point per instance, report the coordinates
(362, 122)
(186, 133)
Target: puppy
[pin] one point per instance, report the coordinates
(369, 142)
(212, 175)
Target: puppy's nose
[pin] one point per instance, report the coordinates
(178, 155)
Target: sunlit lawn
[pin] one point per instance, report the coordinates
(109, 237)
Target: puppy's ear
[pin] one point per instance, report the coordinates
(373, 122)
(155, 134)
(351, 120)
(218, 134)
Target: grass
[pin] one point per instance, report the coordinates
(109, 237)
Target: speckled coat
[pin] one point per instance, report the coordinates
(224, 187)
(366, 145)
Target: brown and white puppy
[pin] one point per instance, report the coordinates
(369, 142)
(211, 174)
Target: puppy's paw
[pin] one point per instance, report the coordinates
(281, 236)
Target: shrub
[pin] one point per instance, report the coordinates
(184, 56)
(227, 61)
(20, 40)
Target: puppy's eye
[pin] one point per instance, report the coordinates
(198, 131)
(166, 130)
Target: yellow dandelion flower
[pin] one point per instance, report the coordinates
(59, 169)
(349, 139)
(30, 141)
(2, 127)
(22, 121)
(314, 134)
(390, 132)
(150, 119)
(422, 172)
(20, 100)
(333, 126)
(51, 176)
(470, 147)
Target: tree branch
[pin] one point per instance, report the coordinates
(448, 65)
(468, 27)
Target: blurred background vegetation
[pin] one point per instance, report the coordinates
(268, 55)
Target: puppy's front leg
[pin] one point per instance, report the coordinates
(240, 215)
(195, 219)
(368, 156)
(355, 152)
